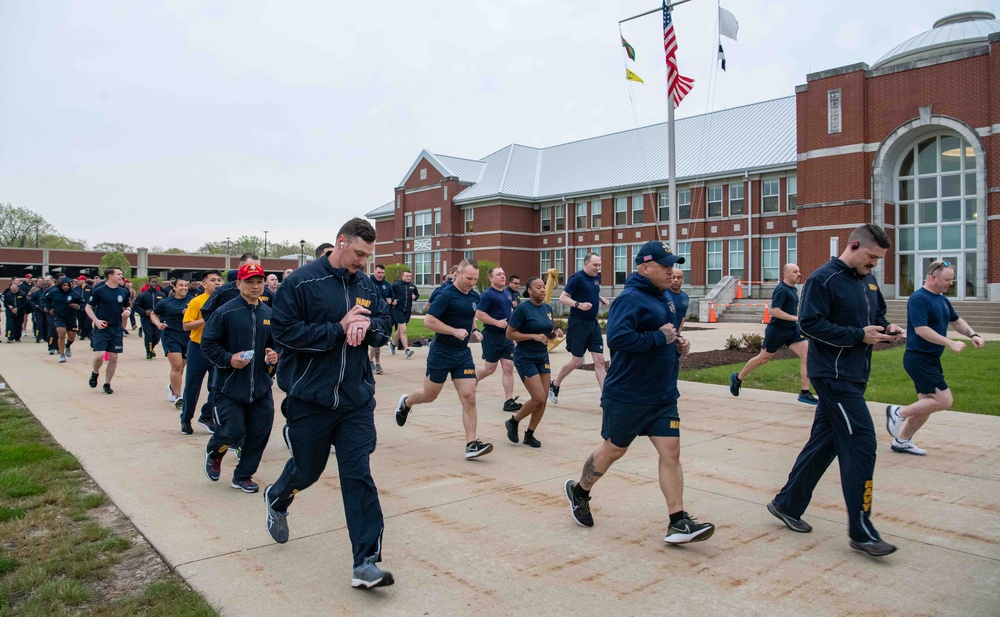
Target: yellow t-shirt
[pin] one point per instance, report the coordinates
(193, 313)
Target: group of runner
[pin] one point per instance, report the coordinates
(321, 334)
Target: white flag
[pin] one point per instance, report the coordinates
(728, 26)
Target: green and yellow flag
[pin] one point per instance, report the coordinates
(633, 77)
(628, 49)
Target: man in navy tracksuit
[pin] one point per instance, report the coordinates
(324, 318)
(384, 289)
(640, 392)
(843, 314)
(404, 292)
(243, 408)
(145, 304)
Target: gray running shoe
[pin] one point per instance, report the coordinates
(62, 359)
(369, 575)
(408, 353)
(378, 369)
(875, 548)
(906, 447)
(795, 524)
(276, 522)
(69, 352)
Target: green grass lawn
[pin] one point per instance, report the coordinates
(971, 375)
(55, 558)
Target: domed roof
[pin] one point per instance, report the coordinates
(952, 33)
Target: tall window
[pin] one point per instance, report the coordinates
(770, 258)
(714, 200)
(621, 211)
(595, 214)
(683, 204)
(546, 218)
(833, 111)
(560, 264)
(422, 274)
(637, 210)
(736, 258)
(422, 224)
(713, 260)
(470, 225)
(560, 216)
(437, 222)
(770, 191)
(663, 207)
(545, 262)
(437, 267)
(792, 250)
(621, 265)
(408, 226)
(579, 256)
(581, 215)
(735, 199)
(792, 189)
(684, 250)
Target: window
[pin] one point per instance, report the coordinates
(423, 174)
(546, 218)
(621, 211)
(663, 207)
(437, 268)
(408, 226)
(833, 111)
(683, 204)
(437, 222)
(545, 262)
(470, 225)
(714, 201)
(684, 250)
(581, 215)
(422, 224)
(736, 258)
(560, 264)
(792, 189)
(560, 218)
(581, 254)
(468, 255)
(621, 265)
(713, 259)
(792, 250)
(595, 214)
(422, 274)
(638, 216)
(770, 256)
(735, 199)
(770, 189)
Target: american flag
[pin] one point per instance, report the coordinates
(677, 85)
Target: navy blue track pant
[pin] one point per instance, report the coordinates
(309, 432)
(53, 334)
(842, 429)
(14, 325)
(194, 376)
(233, 419)
(39, 325)
(150, 335)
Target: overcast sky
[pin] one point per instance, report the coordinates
(174, 123)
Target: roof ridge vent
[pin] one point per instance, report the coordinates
(958, 18)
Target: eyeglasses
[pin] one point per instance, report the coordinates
(938, 266)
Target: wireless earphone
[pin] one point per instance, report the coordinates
(341, 245)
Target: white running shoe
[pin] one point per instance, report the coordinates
(893, 421)
(170, 394)
(906, 447)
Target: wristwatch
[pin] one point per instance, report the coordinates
(576, 304)
(974, 335)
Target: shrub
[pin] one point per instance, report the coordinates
(394, 272)
(753, 342)
(485, 266)
(734, 342)
(116, 260)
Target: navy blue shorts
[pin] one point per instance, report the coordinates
(109, 339)
(496, 346)
(529, 367)
(443, 361)
(776, 338)
(925, 371)
(584, 335)
(623, 422)
(172, 343)
(65, 322)
(400, 318)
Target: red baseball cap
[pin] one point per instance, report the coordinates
(27, 276)
(81, 278)
(249, 270)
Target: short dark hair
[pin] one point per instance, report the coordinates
(111, 270)
(405, 270)
(494, 269)
(357, 227)
(322, 248)
(468, 262)
(245, 256)
(377, 266)
(514, 276)
(870, 236)
(589, 256)
(206, 273)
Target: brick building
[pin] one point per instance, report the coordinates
(909, 143)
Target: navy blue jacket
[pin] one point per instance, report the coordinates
(836, 304)
(642, 362)
(239, 326)
(404, 294)
(317, 365)
(221, 295)
(58, 302)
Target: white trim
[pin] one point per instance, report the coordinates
(827, 227)
(421, 189)
(837, 151)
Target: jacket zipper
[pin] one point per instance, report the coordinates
(253, 345)
(343, 351)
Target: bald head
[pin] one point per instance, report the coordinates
(791, 274)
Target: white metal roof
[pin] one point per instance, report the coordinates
(952, 32)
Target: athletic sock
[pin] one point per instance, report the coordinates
(676, 516)
(580, 492)
(803, 391)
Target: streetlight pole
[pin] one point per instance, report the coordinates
(227, 253)
(302, 253)
(265, 243)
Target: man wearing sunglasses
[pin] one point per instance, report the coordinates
(928, 314)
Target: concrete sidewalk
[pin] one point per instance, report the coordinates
(494, 536)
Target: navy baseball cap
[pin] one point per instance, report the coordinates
(659, 252)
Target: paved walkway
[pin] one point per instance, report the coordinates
(494, 536)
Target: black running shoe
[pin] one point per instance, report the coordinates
(186, 428)
(247, 486)
(529, 440)
(213, 467)
(579, 507)
(512, 405)
(107, 389)
(477, 448)
(734, 384)
(276, 522)
(808, 398)
(686, 530)
(511, 429)
(208, 424)
(93, 380)
(402, 411)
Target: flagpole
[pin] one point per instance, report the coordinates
(656, 10)
(672, 178)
